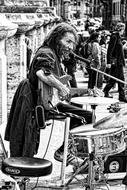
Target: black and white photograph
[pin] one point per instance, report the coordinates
(63, 94)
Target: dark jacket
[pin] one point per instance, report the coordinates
(115, 50)
(21, 129)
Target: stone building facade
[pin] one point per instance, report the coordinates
(15, 26)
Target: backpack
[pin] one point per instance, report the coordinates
(83, 51)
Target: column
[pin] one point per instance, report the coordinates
(66, 9)
(3, 83)
(22, 56)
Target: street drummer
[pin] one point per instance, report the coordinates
(46, 67)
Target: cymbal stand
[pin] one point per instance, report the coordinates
(90, 170)
(95, 173)
(96, 168)
(93, 107)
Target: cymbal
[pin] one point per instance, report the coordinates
(115, 120)
(85, 100)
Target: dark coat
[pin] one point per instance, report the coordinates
(115, 50)
(21, 129)
(115, 57)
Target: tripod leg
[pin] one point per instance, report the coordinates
(84, 165)
(91, 177)
(108, 187)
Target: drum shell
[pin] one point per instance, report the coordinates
(80, 144)
(101, 142)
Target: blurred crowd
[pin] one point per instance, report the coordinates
(93, 45)
(106, 51)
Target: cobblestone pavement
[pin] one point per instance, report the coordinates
(53, 181)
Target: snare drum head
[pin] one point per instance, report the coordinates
(83, 128)
(99, 132)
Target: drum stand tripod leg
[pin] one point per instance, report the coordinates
(91, 174)
(80, 168)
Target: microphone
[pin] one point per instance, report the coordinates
(79, 58)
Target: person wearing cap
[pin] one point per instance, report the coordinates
(116, 62)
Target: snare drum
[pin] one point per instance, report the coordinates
(101, 142)
(79, 143)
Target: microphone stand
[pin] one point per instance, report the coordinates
(97, 70)
(119, 80)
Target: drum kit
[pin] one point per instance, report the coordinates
(99, 140)
(96, 142)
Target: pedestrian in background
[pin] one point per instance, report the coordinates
(103, 61)
(116, 62)
(94, 55)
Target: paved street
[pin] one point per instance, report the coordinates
(56, 137)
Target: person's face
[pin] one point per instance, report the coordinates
(67, 43)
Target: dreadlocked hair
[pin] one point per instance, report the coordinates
(57, 33)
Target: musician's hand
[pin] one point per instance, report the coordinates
(65, 78)
(64, 93)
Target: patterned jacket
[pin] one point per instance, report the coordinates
(94, 51)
